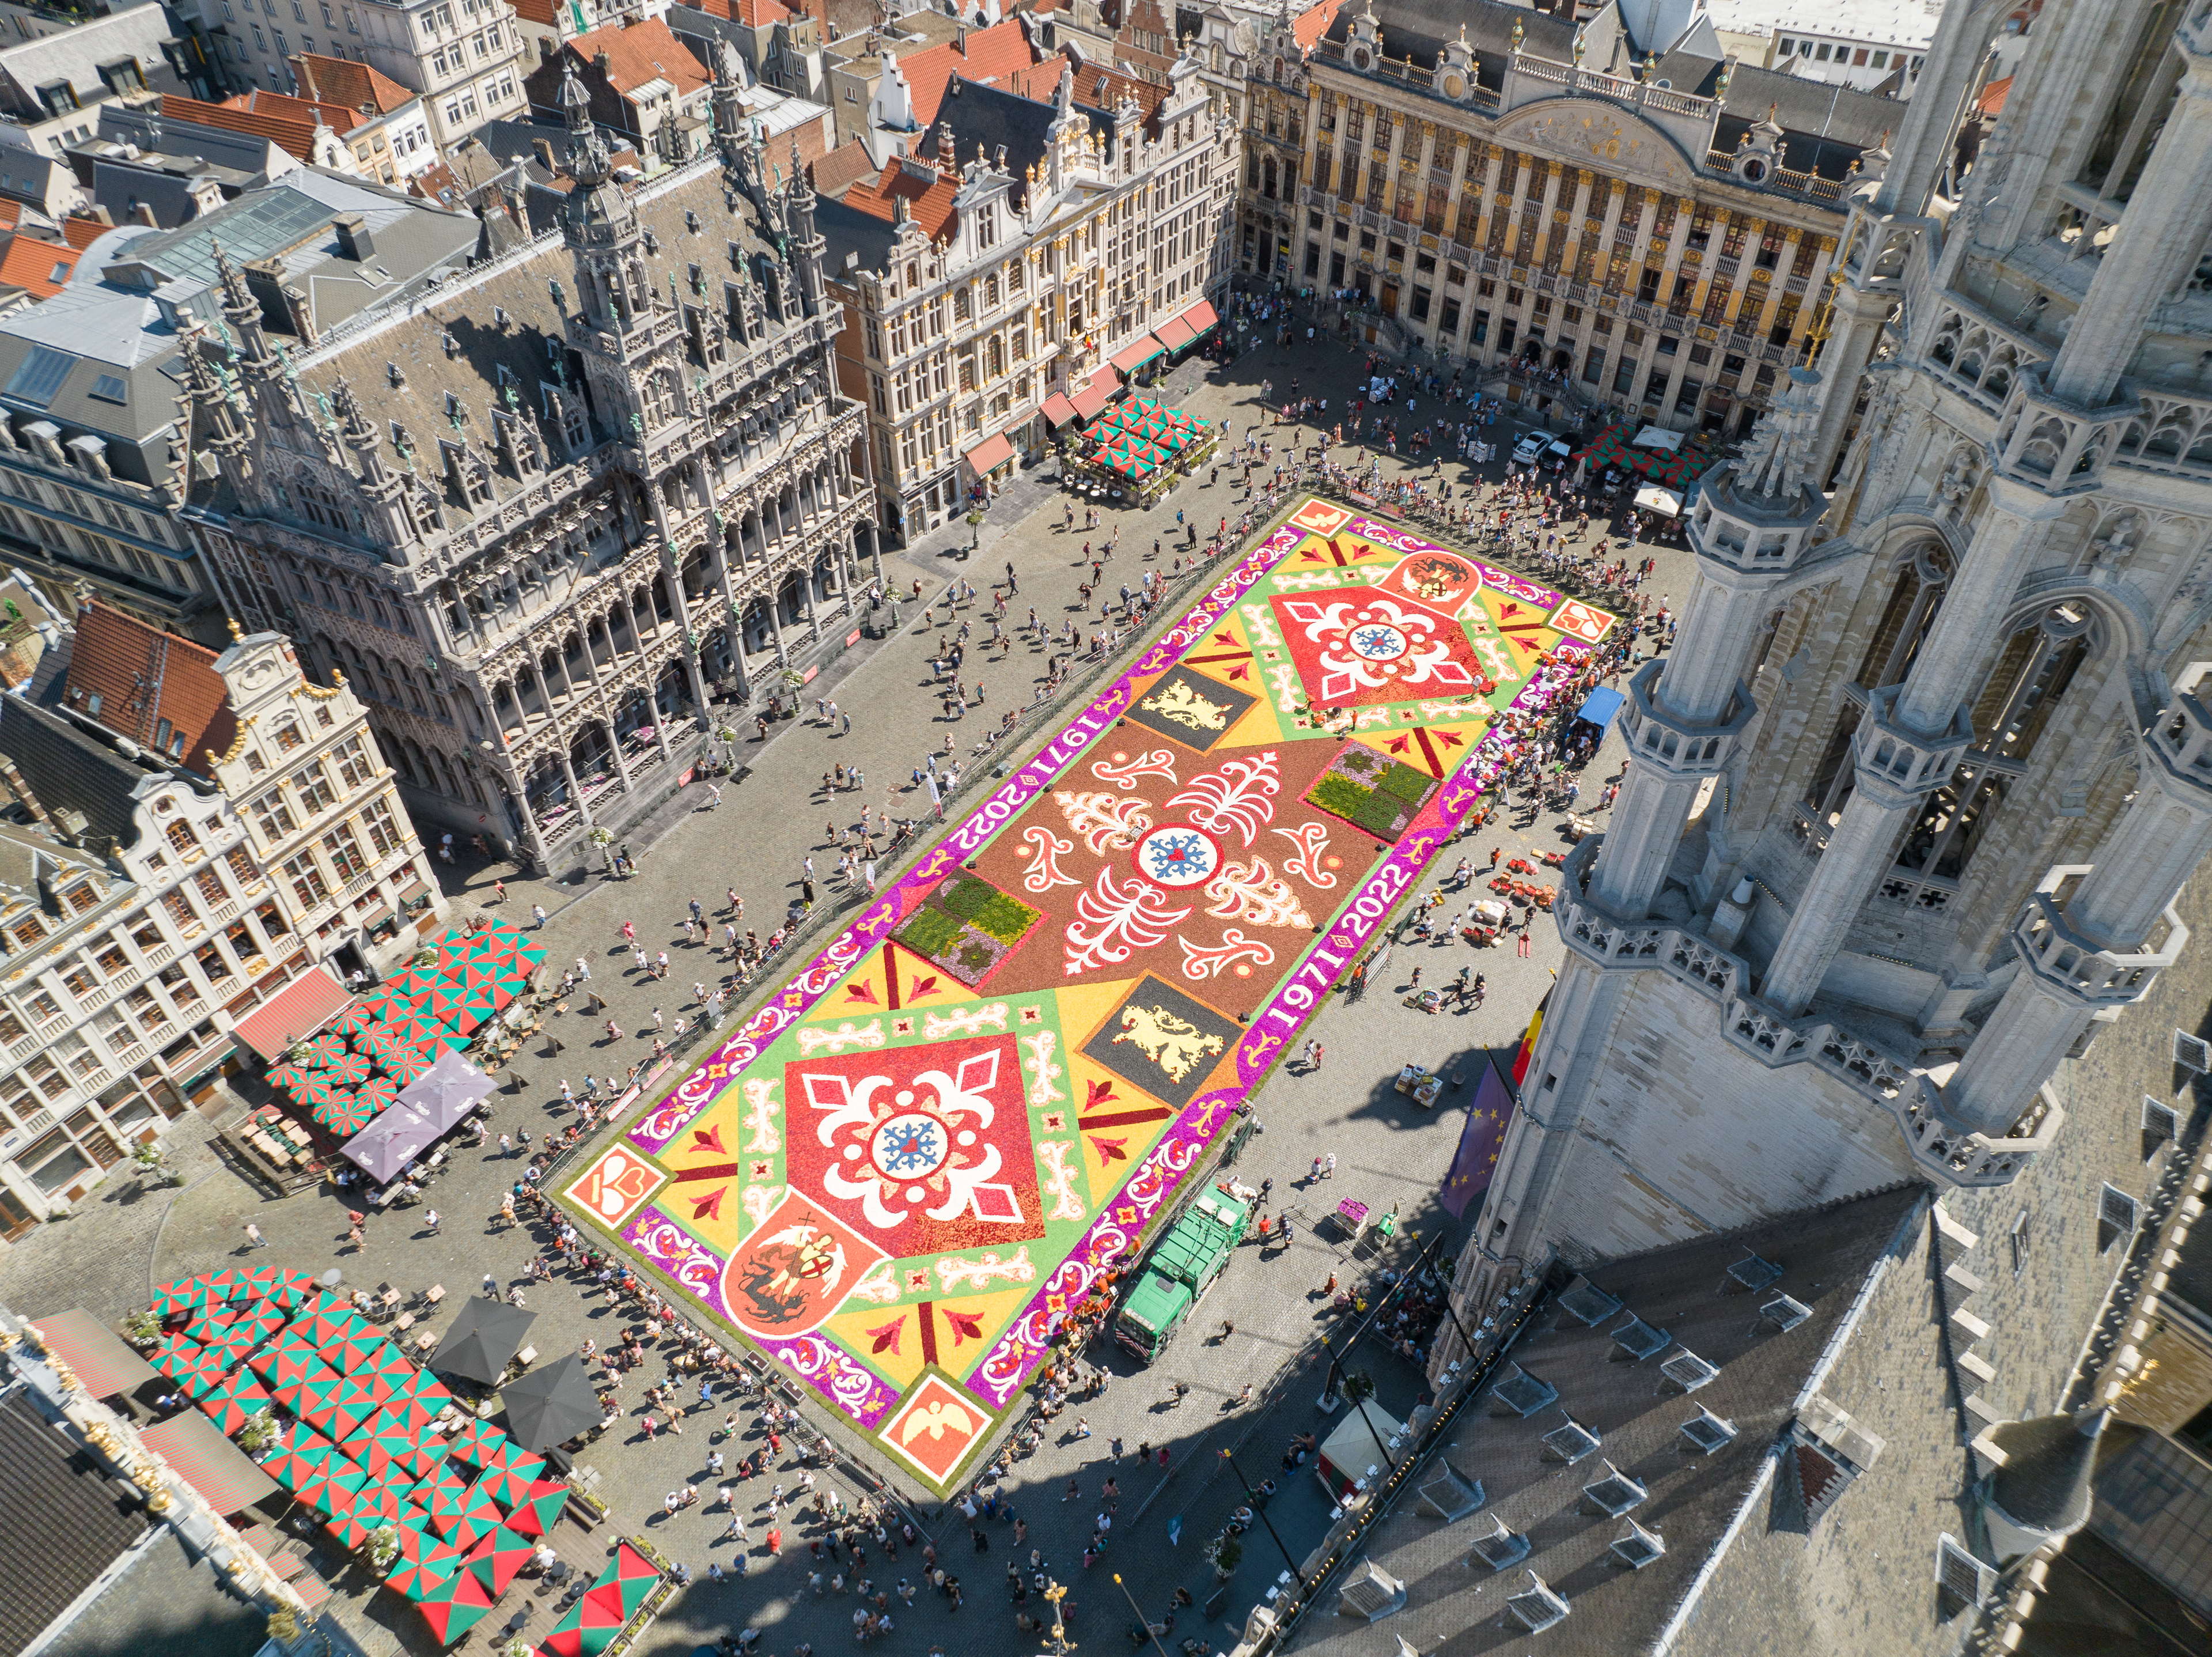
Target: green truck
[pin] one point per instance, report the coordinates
(1181, 1268)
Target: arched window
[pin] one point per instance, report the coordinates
(2032, 673)
(1905, 620)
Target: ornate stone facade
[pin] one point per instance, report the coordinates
(1910, 802)
(542, 522)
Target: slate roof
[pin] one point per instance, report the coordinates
(847, 230)
(76, 54)
(1827, 1255)
(55, 1509)
(486, 355)
(974, 116)
(166, 1604)
(70, 769)
(143, 676)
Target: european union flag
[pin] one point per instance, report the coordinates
(1480, 1142)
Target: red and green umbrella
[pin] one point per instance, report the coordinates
(325, 1326)
(386, 1444)
(321, 1053)
(289, 1362)
(502, 1453)
(406, 1410)
(377, 1504)
(383, 1044)
(330, 1489)
(406, 1064)
(183, 1360)
(292, 1467)
(424, 1562)
(320, 1303)
(593, 1623)
(186, 1294)
(505, 1485)
(235, 1345)
(478, 1445)
(379, 1094)
(358, 1017)
(425, 1387)
(261, 1320)
(313, 1090)
(351, 1351)
(351, 1069)
(454, 1607)
(384, 1358)
(462, 1513)
(539, 1509)
(210, 1324)
(344, 1113)
(234, 1401)
(495, 1559)
(351, 1529)
(439, 999)
(343, 1410)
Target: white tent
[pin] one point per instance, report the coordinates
(1656, 437)
(1353, 1448)
(1650, 498)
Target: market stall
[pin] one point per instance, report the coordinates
(1137, 449)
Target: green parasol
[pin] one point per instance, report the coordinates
(330, 1490)
(538, 1508)
(383, 1044)
(438, 1000)
(346, 1113)
(407, 1410)
(462, 1513)
(324, 1326)
(350, 1351)
(505, 1485)
(495, 1559)
(454, 1607)
(424, 1562)
(234, 1401)
(291, 1468)
(360, 1016)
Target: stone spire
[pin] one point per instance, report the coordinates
(589, 163)
(1773, 467)
(807, 248)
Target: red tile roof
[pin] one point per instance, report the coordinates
(80, 232)
(993, 54)
(336, 116)
(289, 133)
(754, 14)
(928, 197)
(539, 12)
(1992, 101)
(840, 169)
(1095, 87)
(41, 268)
(1314, 23)
(641, 53)
(145, 677)
(336, 80)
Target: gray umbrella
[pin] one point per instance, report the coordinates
(446, 1090)
(552, 1405)
(484, 1337)
(389, 1143)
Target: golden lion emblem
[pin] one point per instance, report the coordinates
(1179, 702)
(1174, 1044)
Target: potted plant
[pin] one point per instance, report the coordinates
(1226, 1553)
(141, 1328)
(1359, 1385)
(260, 1432)
(604, 838)
(384, 1549)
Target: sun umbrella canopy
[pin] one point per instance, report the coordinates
(313, 1090)
(591, 1623)
(388, 1143)
(329, 1489)
(455, 1606)
(538, 1508)
(462, 1513)
(387, 1444)
(505, 1485)
(486, 1334)
(234, 1401)
(351, 1069)
(289, 1363)
(448, 1090)
(321, 1053)
(181, 1361)
(291, 1468)
(497, 1557)
(552, 1403)
(417, 1577)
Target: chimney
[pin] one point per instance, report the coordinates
(543, 149)
(21, 790)
(354, 242)
(144, 214)
(97, 212)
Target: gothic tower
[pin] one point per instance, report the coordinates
(1909, 804)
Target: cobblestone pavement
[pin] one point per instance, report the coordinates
(1388, 1151)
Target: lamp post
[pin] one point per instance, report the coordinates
(1144, 1620)
(1359, 1403)
(1061, 1645)
(1260, 1513)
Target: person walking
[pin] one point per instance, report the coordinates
(253, 1236)
(430, 1220)
(538, 917)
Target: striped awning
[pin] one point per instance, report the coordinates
(208, 1462)
(1092, 399)
(298, 1010)
(1133, 356)
(1173, 333)
(1058, 411)
(107, 1367)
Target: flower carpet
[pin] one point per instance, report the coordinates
(902, 1173)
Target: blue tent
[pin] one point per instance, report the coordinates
(1599, 706)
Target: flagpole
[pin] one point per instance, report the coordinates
(1260, 1513)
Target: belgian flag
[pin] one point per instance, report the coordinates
(1528, 1042)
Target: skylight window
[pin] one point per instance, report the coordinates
(1500, 1545)
(1708, 1431)
(1785, 1312)
(1688, 1371)
(1616, 1492)
(1636, 1547)
(41, 374)
(1639, 1339)
(110, 388)
(1570, 1443)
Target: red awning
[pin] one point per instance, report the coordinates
(299, 1010)
(1173, 333)
(107, 1367)
(1134, 356)
(1199, 318)
(991, 452)
(208, 1462)
(1092, 400)
(1058, 411)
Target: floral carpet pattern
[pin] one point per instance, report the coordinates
(902, 1173)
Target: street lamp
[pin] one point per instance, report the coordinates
(1143, 1621)
(1260, 1513)
(1061, 1645)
